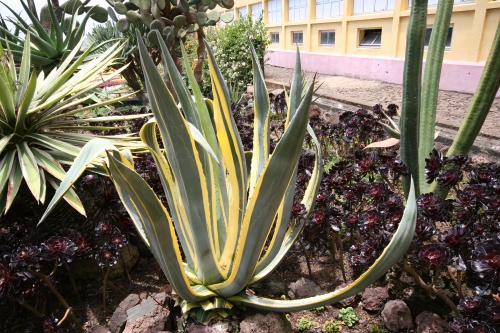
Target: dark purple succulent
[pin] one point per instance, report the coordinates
(352, 219)
(377, 191)
(392, 110)
(57, 247)
(471, 306)
(393, 202)
(493, 312)
(370, 218)
(365, 253)
(107, 255)
(368, 164)
(431, 206)
(458, 160)
(323, 197)
(450, 178)
(433, 165)
(104, 227)
(318, 217)
(455, 236)
(486, 260)
(393, 219)
(398, 167)
(459, 325)
(118, 240)
(479, 327)
(26, 255)
(298, 210)
(434, 255)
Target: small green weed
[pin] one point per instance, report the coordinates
(305, 324)
(377, 329)
(347, 316)
(332, 326)
(319, 308)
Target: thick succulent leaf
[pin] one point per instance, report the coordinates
(294, 98)
(88, 153)
(70, 197)
(6, 167)
(59, 38)
(177, 209)
(29, 168)
(232, 158)
(48, 163)
(219, 199)
(393, 133)
(182, 155)
(7, 105)
(34, 22)
(200, 139)
(392, 253)
(148, 212)
(15, 179)
(24, 73)
(44, 46)
(4, 142)
(261, 138)
(265, 201)
(285, 236)
(27, 98)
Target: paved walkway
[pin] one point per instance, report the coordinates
(346, 92)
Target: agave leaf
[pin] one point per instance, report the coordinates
(44, 46)
(29, 92)
(392, 253)
(261, 138)
(185, 165)
(393, 133)
(90, 152)
(232, 157)
(70, 197)
(59, 38)
(6, 164)
(265, 201)
(56, 144)
(148, 212)
(182, 226)
(15, 179)
(24, 73)
(7, 104)
(34, 21)
(48, 163)
(284, 235)
(29, 168)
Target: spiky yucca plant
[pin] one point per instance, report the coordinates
(48, 48)
(229, 209)
(38, 127)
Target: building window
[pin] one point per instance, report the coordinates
(372, 6)
(448, 38)
(275, 37)
(242, 11)
(328, 8)
(297, 37)
(274, 11)
(370, 37)
(297, 10)
(327, 38)
(256, 11)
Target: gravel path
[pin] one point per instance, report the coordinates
(452, 106)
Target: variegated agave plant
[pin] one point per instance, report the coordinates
(38, 127)
(225, 204)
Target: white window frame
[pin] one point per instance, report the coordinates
(256, 11)
(449, 38)
(329, 8)
(297, 10)
(374, 33)
(273, 39)
(297, 33)
(328, 32)
(274, 13)
(372, 6)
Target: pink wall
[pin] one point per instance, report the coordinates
(457, 76)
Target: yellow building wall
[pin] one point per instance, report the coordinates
(474, 24)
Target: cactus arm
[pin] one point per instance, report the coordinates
(430, 86)
(412, 78)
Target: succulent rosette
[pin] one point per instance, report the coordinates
(434, 255)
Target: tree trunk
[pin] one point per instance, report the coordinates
(198, 69)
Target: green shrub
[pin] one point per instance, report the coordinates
(230, 47)
(347, 316)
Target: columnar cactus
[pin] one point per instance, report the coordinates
(172, 19)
